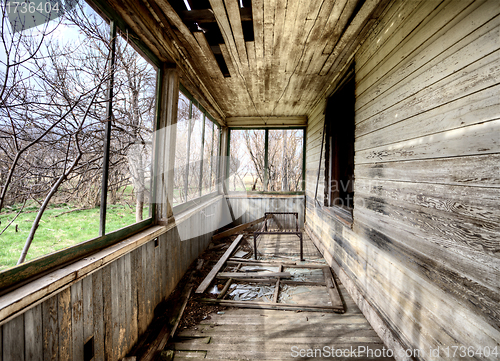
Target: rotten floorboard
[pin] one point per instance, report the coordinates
(267, 334)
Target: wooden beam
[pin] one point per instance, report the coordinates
(271, 281)
(287, 121)
(332, 290)
(228, 283)
(206, 282)
(235, 260)
(237, 275)
(272, 306)
(236, 229)
(277, 287)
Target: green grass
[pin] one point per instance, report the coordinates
(55, 233)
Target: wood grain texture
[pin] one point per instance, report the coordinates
(64, 319)
(50, 329)
(98, 309)
(13, 339)
(77, 321)
(33, 334)
(423, 251)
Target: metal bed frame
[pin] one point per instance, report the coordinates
(265, 230)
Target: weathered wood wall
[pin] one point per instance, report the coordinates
(424, 249)
(248, 208)
(114, 304)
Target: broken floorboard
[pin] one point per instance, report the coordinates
(255, 334)
(206, 282)
(236, 229)
(263, 334)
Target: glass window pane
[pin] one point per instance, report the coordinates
(130, 168)
(195, 153)
(285, 159)
(56, 102)
(208, 149)
(246, 170)
(181, 155)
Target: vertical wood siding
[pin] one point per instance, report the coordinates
(114, 304)
(424, 249)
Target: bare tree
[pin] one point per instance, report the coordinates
(50, 111)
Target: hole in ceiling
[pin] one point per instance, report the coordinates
(198, 16)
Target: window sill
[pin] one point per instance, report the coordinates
(32, 293)
(340, 214)
(264, 194)
(17, 300)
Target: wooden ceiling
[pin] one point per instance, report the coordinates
(267, 59)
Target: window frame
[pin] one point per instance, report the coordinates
(343, 212)
(266, 159)
(206, 115)
(18, 275)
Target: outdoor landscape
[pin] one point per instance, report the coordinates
(54, 110)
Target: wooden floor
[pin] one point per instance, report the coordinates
(254, 334)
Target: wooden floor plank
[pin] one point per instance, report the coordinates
(206, 282)
(262, 334)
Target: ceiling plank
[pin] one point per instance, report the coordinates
(332, 29)
(160, 49)
(233, 13)
(292, 25)
(313, 39)
(253, 88)
(207, 15)
(258, 31)
(269, 21)
(225, 28)
(215, 72)
(340, 25)
(229, 61)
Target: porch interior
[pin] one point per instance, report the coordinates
(393, 108)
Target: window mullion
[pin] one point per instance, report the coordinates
(107, 134)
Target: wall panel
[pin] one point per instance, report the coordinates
(423, 251)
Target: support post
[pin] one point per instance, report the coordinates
(266, 160)
(165, 141)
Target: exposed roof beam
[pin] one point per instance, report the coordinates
(271, 122)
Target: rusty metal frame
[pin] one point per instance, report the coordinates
(264, 230)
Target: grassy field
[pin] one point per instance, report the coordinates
(57, 232)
